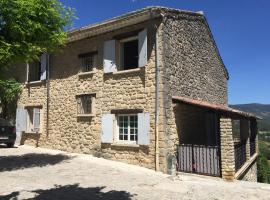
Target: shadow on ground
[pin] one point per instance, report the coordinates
(71, 192)
(15, 162)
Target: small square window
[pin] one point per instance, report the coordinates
(85, 104)
(87, 61)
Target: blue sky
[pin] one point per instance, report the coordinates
(241, 29)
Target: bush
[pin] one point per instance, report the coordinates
(263, 169)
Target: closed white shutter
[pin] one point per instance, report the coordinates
(107, 128)
(36, 119)
(143, 128)
(43, 67)
(21, 119)
(142, 48)
(109, 56)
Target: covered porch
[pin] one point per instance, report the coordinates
(214, 140)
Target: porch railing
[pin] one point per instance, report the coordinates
(240, 155)
(252, 147)
(199, 159)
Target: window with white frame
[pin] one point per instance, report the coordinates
(85, 104)
(127, 126)
(33, 120)
(88, 61)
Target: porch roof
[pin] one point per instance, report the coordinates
(217, 107)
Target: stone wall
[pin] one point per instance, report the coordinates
(250, 174)
(67, 131)
(191, 67)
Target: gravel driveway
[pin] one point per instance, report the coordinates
(36, 173)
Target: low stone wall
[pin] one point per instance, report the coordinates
(250, 174)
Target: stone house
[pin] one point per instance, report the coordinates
(147, 88)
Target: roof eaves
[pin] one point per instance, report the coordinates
(212, 106)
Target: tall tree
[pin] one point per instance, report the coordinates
(28, 28)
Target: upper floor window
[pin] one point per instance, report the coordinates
(85, 104)
(88, 61)
(132, 52)
(129, 53)
(36, 70)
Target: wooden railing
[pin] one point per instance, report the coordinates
(199, 159)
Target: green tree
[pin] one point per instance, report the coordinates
(263, 169)
(27, 29)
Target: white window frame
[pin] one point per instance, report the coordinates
(117, 129)
(121, 53)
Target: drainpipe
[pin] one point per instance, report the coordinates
(48, 94)
(157, 102)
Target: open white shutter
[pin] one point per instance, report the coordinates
(107, 128)
(43, 61)
(143, 128)
(142, 48)
(21, 119)
(109, 56)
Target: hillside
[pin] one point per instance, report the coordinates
(261, 110)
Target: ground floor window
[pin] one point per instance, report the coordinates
(127, 128)
(33, 120)
(85, 104)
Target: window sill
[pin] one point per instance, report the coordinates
(31, 133)
(81, 74)
(118, 144)
(85, 115)
(34, 83)
(127, 71)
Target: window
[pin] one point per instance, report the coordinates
(129, 53)
(37, 69)
(127, 128)
(33, 120)
(87, 61)
(34, 71)
(85, 104)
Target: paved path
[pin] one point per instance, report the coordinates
(37, 173)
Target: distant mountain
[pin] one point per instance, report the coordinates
(261, 110)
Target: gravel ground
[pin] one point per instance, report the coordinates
(37, 173)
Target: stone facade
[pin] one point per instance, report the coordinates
(250, 174)
(183, 60)
(227, 149)
(191, 68)
(117, 91)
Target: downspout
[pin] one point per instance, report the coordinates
(48, 95)
(157, 102)
(157, 89)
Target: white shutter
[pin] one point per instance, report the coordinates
(107, 128)
(36, 119)
(143, 128)
(21, 119)
(109, 56)
(43, 61)
(142, 48)
(27, 72)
